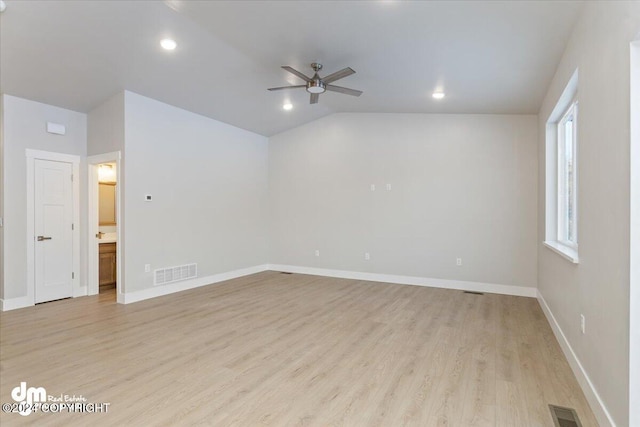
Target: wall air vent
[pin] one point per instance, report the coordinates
(162, 276)
(564, 417)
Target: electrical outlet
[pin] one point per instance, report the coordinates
(367, 257)
(458, 261)
(317, 252)
(147, 268)
(583, 324)
(388, 187)
(373, 187)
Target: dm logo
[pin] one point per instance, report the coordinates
(28, 396)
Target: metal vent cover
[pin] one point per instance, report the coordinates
(162, 276)
(564, 417)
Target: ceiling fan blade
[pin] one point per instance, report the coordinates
(286, 87)
(344, 90)
(338, 75)
(314, 98)
(297, 73)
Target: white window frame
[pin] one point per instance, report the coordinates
(555, 178)
(571, 114)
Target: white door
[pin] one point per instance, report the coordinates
(53, 205)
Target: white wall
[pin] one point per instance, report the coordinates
(208, 180)
(209, 186)
(461, 186)
(24, 127)
(598, 287)
(105, 126)
(634, 274)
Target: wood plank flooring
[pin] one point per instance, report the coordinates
(293, 350)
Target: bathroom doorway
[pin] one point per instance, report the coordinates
(107, 228)
(104, 237)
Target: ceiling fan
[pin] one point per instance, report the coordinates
(316, 85)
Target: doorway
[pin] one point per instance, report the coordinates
(104, 237)
(53, 223)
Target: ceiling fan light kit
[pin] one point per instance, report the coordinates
(316, 85)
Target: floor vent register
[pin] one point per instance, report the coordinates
(162, 276)
(564, 417)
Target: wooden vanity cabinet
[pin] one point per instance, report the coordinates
(107, 256)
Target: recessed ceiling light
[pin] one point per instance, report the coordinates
(287, 106)
(437, 95)
(168, 44)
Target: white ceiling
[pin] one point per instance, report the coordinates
(488, 56)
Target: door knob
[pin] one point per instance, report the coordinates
(41, 238)
(99, 235)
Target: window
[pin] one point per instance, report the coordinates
(561, 174)
(567, 178)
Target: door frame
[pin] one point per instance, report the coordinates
(93, 270)
(32, 156)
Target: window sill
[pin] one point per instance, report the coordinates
(562, 250)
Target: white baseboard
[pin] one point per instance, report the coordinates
(26, 301)
(521, 291)
(15, 303)
(597, 405)
(157, 291)
(131, 297)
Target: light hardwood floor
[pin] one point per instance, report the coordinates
(287, 350)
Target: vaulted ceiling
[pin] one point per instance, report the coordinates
(487, 56)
